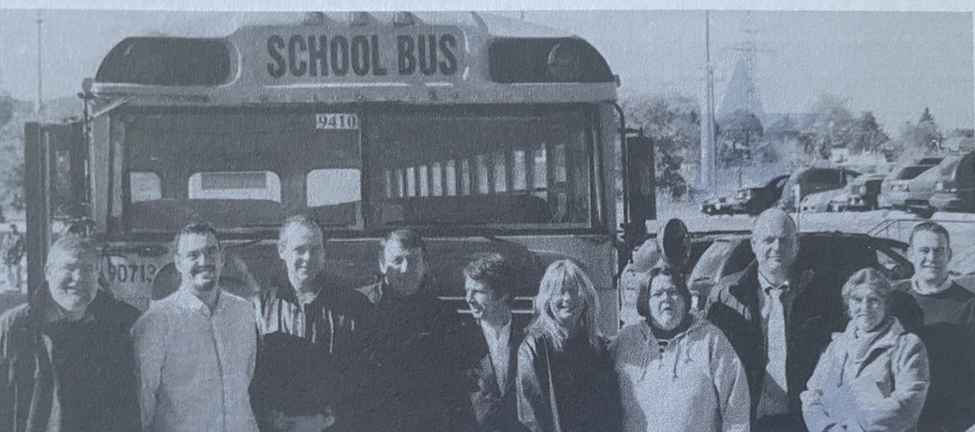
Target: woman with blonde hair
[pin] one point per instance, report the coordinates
(874, 375)
(566, 381)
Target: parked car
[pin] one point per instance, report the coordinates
(861, 195)
(820, 201)
(749, 200)
(902, 187)
(812, 180)
(955, 190)
(832, 256)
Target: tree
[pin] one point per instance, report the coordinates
(6, 110)
(834, 123)
(924, 136)
(11, 153)
(743, 130)
(866, 134)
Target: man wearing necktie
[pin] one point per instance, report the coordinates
(777, 322)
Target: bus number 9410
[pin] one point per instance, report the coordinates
(131, 273)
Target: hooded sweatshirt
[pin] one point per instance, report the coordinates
(692, 382)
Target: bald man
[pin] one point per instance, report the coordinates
(776, 320)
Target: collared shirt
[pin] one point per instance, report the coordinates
(497, 341)
(195, 366)
(774, 399)
(928, 291)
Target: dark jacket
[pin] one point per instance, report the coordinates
(575, 389)
(816, 312)
(302, 355)
(945, 322)
(30, 398)
(409, 371)
(495, 409)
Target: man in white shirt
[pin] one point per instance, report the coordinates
(490, 282)
(196, 348)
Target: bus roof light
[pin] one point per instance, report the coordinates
(403, 19)
(563, 62)
(314, 18)
(360, 18)
(546, 60)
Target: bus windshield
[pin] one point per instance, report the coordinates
(239, 171)
(502, 168)
(512, 168)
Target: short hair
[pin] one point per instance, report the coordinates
(74, 244)
(932, 227)
(869, 277)
(496, 272)
(680, 282)
(298, 219)
(196, 228)
(407, 238)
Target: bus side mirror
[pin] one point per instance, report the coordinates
(641, 183)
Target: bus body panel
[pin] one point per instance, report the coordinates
(137, 259)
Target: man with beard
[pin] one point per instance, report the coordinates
(490, 282)
(196, 348)
(777, 322)
(407, 347)
(304, 337)
(942, 313)
(66, 356)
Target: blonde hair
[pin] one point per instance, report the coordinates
(560, 274)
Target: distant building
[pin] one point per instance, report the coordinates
(741, 95)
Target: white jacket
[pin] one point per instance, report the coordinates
(696, 384)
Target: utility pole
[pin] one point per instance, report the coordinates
(708, 146)
(40, 67)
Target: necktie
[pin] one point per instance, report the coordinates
(776, 338)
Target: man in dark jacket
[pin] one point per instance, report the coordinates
(490, 283)
(304, 337)
(66, 357)
(410, 368)
(777, 321)
(942, 313)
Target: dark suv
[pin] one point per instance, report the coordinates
(833, 256)
(750, 200)
(812, 180)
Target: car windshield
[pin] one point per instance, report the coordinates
(908, 173)
(239, 170)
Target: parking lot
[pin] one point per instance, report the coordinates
(891, 224)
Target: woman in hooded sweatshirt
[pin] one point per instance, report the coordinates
(874, 375)
(678, 372)
(565, 376)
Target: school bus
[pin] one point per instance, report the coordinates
(485, 133)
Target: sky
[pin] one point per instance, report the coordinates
(891, 63)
